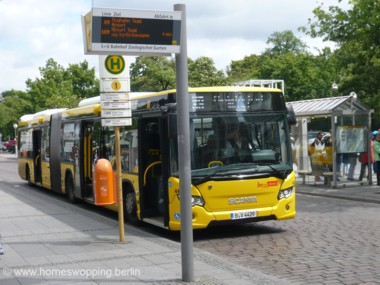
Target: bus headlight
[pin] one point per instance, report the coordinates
(195, 201)
(286, 193)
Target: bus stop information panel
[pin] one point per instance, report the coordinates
(135, 31)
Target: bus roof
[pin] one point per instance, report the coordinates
(92, 105)
(214, 89)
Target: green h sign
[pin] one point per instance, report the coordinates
(114, 64)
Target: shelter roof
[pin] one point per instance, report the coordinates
(327, 106)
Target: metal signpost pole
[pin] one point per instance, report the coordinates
(184, 153)
(115, 84)
(118, 185)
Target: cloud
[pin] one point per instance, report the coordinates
(31, 32)
(223, 51)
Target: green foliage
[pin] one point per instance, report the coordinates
(356, 30)
(359, 24)
(285, 42)
(56, 88)
(83, 80)
(305, 75)
(13, 105)
(202, 72)
(158, 73)
(244, 69)
(62, 88)
(149, 73)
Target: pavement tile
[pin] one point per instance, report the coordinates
(37, 234)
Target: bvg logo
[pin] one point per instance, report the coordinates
(115, 64)
(266, 185)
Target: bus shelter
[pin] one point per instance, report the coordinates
(345, 124)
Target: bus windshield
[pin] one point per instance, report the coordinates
(248, 144)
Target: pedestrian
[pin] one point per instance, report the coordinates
(374, 133)
(363, 159)
(376, 150)
(316, 152)
(352, 159)
(346, 163)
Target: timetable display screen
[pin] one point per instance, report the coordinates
(135, 31)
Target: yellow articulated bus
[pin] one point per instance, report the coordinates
(241, 159)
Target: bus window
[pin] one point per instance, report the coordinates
(26, 144)
(69, 137)
(45, 148)
(128, 149)
(133, 151)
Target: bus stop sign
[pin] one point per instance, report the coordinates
(114, 64)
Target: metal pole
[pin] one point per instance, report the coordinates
(15, 127)
(119, 188)
(334, 151)
(184, 153)
(369, 146)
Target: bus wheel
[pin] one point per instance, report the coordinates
(130, 207)
(27, 174)
(70, 190)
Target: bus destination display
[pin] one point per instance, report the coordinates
(135, 32)
(236, 102)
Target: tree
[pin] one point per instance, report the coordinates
(158, 73)
(244, 69)
(356, 31)
(306, 76)
(202, 72)
(62, 88)
(12, 107)
(285, 42)
(152, 73)
(299, 73)
(84, 82)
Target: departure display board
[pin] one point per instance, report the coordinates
(117, 31)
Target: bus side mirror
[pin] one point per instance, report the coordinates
(172, 126)
(292, 120)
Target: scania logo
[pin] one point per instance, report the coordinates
(243, 200)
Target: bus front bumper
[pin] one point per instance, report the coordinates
(201, 218)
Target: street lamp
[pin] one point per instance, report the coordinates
(15, 127)
(335, 85)
(354, 95)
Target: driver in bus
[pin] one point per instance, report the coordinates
(238, 141)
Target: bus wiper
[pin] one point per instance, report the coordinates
(280, 174)
(207, 177)
(224, 169)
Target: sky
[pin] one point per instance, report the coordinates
(32, 31)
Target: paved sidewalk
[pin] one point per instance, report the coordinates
(47, 240)
(351, 190)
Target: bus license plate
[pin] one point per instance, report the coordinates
(243, 215)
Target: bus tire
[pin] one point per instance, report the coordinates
(130, 207)
(69, 185)
(27, 174)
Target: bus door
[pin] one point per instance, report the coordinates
(152, 198)
(37, 136)
(90, 152)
